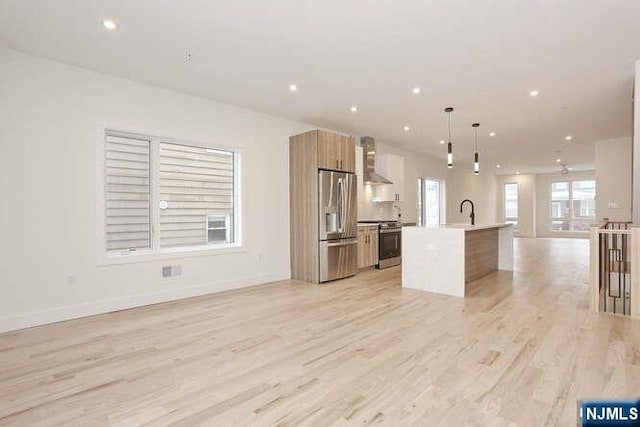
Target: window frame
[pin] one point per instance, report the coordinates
(504, 205)
(141, 251)
(421, 190)
(571, 217)
(550, 207)
(155, 252)
(226, 218)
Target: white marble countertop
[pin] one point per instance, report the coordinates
(434, 259)
(466, 227)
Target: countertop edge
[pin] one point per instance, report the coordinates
(464, 227)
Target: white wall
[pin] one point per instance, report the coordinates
(636, 148)
(481, 189)
(613, 163)
(415, 166)
(543, 194)
(48, 212)
(460, 184)
(526, 202)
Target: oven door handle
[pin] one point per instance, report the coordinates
(390, 231)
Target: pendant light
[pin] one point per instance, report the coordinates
(448, 110)
(476, 160)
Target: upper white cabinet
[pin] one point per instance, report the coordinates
(391, 167)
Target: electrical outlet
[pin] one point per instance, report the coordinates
(259, 257)
(72, 280)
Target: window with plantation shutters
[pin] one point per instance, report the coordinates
(127, 184)
(162, 196)
(196, 192)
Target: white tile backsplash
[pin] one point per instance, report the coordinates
(368, 210)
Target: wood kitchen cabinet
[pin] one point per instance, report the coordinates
(363, 242)
(308, 152)
(367, 246)
(335, 151)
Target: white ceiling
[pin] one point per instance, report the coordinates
(480, 56)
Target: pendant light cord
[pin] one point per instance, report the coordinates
(476, 139)
(475, 136)
(448, 110)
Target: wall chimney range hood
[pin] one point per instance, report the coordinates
(369, 162)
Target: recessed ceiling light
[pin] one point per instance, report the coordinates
(353, 109)
(558, 160)
(570, 169)
(534, 93)
(568, 138)
(416, 90)
(406, 128)
(517, 172)
(498, 165)
(109, 24)
(293, 88)
(492, 134)
(442, 141)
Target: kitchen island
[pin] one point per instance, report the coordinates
(443, 259)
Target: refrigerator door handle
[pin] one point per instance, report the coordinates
(343, 200)
(340, 206)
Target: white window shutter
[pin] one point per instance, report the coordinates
(127, 183)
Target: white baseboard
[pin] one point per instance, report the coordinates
(59, 314)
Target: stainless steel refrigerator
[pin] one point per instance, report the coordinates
(338, 224)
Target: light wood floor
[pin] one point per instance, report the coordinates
(520, 351)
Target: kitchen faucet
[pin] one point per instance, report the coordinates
(473, 212)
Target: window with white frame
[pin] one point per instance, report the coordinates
(162, 195)
(218, 229)
(430, 202)
(511, 203)
(572, 205)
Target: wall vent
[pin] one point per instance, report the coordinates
(166, 271)
(171, 271)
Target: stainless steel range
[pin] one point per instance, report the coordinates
(389, 242)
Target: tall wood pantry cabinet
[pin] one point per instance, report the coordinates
(308, 152)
